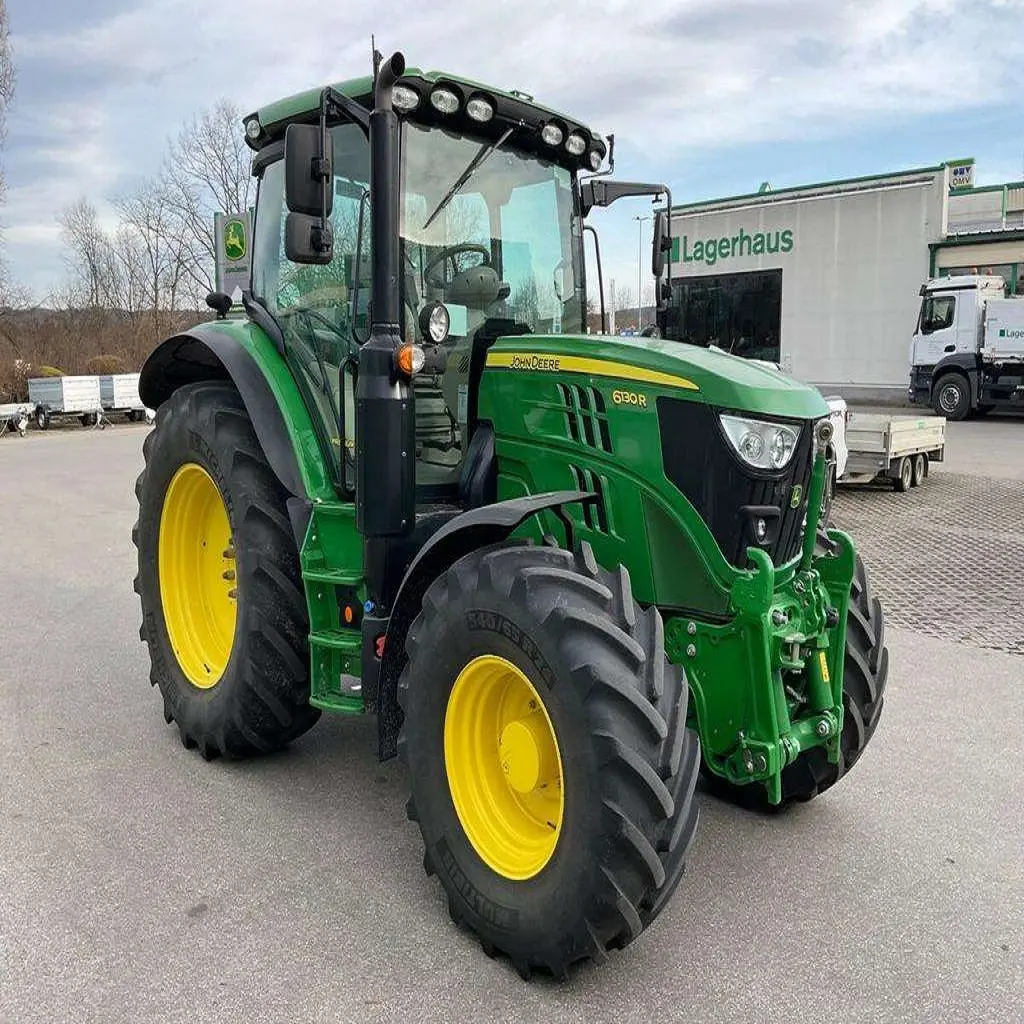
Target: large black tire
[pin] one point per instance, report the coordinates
(951, 396)
(865, 672)
(618, 709)
(261, 702)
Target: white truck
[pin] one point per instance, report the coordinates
(967, 352)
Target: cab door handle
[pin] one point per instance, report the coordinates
(949, 348)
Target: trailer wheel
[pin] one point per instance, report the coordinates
(951, 396)
(904, 475)
(920, 469)
(223, 609)
(551, 770)
(43, 418)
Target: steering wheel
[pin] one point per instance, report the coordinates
(449, 252)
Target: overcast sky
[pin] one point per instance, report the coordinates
(712, 96)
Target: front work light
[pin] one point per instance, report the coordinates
(435, 322)
(444, 100)
(596, 159)
(552, 134)
(761, 443)
(480, 109)
(576, 144)
(405, 98)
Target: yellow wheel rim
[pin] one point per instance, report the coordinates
(504, 767)
(196, 565)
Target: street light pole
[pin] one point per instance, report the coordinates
(640, 270)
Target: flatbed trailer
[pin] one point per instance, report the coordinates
(15, 417)
(899, 449)
(56, 398)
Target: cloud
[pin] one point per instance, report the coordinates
(101, 88)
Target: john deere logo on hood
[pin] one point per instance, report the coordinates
(794, 498)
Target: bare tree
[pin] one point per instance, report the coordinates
(207, 169)
(87, 249)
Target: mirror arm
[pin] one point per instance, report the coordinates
(333, 103)
(600, 275)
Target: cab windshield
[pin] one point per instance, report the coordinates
(505, 244)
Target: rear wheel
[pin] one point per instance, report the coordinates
(904, 475)
(552, 774)
(43, 418)
(920, 469)
(223, 611)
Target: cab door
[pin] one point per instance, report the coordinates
(936, 335)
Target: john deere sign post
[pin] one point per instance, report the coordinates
(233, 233)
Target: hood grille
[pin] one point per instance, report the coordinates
(586, 416)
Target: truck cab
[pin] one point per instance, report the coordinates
(950, 367)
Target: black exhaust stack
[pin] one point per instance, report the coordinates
(385, 417)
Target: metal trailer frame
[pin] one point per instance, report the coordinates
(880, 445)
(119, 393)
(15, 417)
(59, 398)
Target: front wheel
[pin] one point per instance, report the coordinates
(951, 396)
(552, 773)
(223, 610)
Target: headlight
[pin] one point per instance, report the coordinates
(435, 322)
(759, 443)
(596, 159)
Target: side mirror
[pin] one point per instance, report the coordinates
(660, 249)
(308, 239)
(662, 244)
(308, 178)
(307, 172)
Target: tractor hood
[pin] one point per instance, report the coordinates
(707, 375)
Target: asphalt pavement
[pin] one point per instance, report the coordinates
(139, 883)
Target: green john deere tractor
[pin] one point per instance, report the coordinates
(566, 572)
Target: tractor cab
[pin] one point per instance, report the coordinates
(489, 243)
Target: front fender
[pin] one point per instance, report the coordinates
(489, 524)
(240, 351)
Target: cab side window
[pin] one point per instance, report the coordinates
(322, 310)
(937, 313)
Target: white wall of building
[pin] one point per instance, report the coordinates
(850, 279)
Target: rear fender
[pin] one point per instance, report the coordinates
(241, 352)
(489, 524)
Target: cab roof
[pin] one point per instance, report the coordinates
(513, 108)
